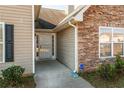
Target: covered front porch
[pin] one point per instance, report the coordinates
(58, 46)
(54, 41)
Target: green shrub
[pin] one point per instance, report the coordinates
(13, 74)
(107, 71)
(119, 63)
(3, 83)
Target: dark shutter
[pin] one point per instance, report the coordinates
(9, 42)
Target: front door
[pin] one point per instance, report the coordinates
(45, 46)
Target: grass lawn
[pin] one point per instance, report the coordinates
(27, 82)
(98, 82)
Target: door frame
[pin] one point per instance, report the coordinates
(52, 34)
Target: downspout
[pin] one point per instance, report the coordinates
(76, 46)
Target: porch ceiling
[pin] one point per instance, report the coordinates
(64, 23)
(53, 16)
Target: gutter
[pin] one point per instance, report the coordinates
(72, 14)
(70, 17)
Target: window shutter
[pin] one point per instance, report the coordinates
(9, 42)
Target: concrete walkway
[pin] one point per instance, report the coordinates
(52, 74)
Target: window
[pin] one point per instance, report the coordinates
(111, 41)
(37, 45)
(52, 45)
(118, 41)
(1, 42)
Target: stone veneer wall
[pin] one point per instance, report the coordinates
(88, 31)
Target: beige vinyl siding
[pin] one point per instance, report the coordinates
(21, 18)
(66, 47)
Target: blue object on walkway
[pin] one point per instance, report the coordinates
(74, 74)
(81, 66)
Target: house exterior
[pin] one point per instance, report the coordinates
(84, 36)
(88, 35)
(16, 37)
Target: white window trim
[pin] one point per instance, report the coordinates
(108, 42)
(3, 42)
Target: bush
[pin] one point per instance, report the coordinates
(13, 74)
(107, 71)
(3, 83)
(119, 63)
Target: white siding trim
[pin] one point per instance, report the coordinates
(33, 40)
(112, 44)
(99, 41)
(3, 42)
